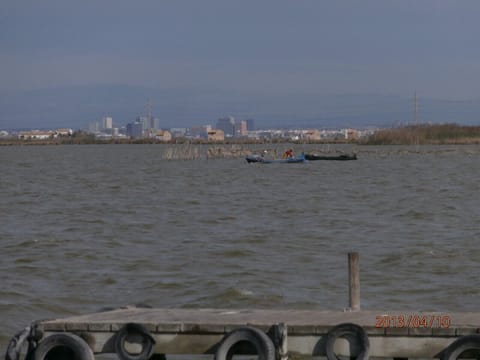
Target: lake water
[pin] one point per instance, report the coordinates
(88, 227)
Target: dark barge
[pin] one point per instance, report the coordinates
(342, 157)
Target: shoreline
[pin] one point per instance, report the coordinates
(366, 142)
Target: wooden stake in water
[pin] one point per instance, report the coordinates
(354, 281)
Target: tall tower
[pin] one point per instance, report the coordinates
(415, 108)
(149, 113)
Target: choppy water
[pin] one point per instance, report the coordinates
(88, 227)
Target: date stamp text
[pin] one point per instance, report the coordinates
(414, 321)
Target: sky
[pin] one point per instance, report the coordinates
(71, 62)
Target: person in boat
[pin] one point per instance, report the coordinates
(288, 154)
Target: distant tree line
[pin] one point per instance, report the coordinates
(426, 134)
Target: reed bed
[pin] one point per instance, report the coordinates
(182, 152)
(444, 134)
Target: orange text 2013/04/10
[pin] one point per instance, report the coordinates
(413, 321)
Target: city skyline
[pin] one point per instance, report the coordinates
(280, 62)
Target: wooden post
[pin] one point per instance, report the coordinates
(354, 281)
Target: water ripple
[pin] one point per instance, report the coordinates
(103, 226)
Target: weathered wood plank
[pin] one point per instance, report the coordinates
(217, 320)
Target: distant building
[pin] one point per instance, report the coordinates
(312, 135)
(105, 125)
(163, 135)
(250, 125)
(143, 120)
(148, 124)
(199, 132)
(107, 122)
(155, 123)
(94, 127)
(234, 128)
(216, 135)
(351, 134)
(135, 130)
(227, 124)
(240, 128)
(64, 132)
(178, 132)
(36, 135)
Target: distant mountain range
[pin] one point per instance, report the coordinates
(76, 107)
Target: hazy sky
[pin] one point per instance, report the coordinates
(262, 46)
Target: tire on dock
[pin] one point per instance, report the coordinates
(461, 345)
(16, 343)
(63, 346)
(132, 330)
(347, 329)
(246, 334)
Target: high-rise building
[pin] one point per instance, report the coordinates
(227, 124)
(143, 120)
(250, 125)
(240, 128)
(148, 123)
(107, 122)
(155, 123)
(135, 129)
(199, 131)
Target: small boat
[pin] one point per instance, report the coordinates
(263, 160)
(331, 157)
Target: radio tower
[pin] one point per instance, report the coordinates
(415, 109)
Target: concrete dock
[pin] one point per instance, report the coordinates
(198, 331)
